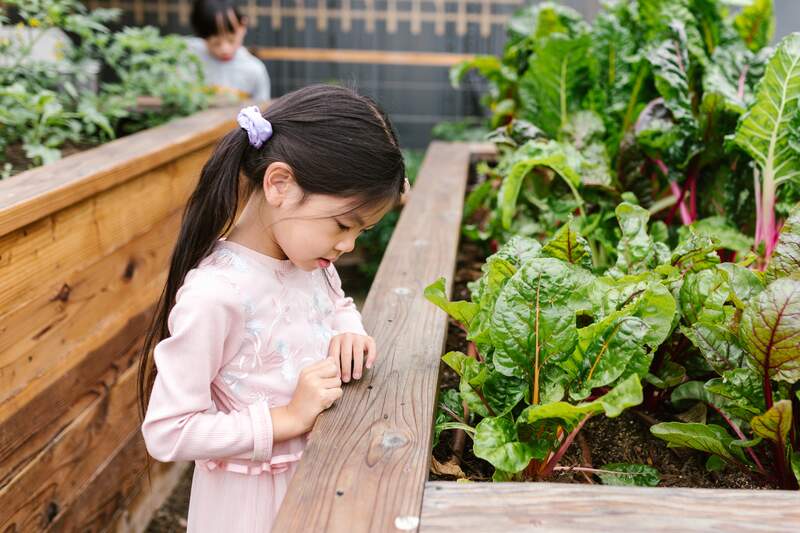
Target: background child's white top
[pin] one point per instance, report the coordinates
(244, 72)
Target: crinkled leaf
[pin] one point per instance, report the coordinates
(536, 307)
(667, 376)
(568, 245)
(775, 423)
(738, 392)
(770, 330)
(496, 441)
(720, 347)
(703, 296)
(605, 350)
(630, 475)
(503, 393)
(636, 251)
(745, 284)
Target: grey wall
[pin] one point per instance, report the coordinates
(416, 97)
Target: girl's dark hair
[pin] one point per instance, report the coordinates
(211, 17)
(336, 142)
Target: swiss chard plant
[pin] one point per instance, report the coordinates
(657, 100)
(556, 344)
(753, 345)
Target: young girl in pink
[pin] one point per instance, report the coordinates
(253, 336)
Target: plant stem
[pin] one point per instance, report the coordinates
(739, 434)
(547, 470)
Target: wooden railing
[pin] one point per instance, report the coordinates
(84, 247)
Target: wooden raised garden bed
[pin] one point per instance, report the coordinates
(367, 463)
(84, 247)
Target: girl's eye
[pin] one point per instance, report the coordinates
(342, 226)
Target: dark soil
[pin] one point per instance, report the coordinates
(602, 441)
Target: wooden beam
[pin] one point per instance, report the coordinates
(368, 457)
(525, 507)
(39, 192)
(378, 57)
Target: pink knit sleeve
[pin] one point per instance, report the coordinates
(206, 320)
(348, 319)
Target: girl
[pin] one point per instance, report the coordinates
(259, 337)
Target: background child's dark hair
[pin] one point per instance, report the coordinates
(212, 17)
(336, 142)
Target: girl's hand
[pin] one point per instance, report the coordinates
(318, 386)
(349, 351)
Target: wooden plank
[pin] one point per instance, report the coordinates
(367, 459)
(518, 507)
(31, 428)
(32, 257)
(54, 479)
(373, 57)
(39, 192)
(55, 325)
(120, 496)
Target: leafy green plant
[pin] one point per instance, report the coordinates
(556, 344)
(637, 106)
(755, 354)
(46, 106)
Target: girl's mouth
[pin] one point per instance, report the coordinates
(323, 263)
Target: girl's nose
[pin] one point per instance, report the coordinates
(346, 246)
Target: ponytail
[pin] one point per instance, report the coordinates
(209, 214)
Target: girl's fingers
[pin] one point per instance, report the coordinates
(372, 352)
(334, 349)
(346, 356)
(358, 357)
(331, 383)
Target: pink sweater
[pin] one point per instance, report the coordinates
(243, 326)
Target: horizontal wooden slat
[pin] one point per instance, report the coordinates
(58, 324)
(35, 257)
(120, 497)
(39, 192)
(518, 507)
(367, 459)
(377, 57)
(54, 479)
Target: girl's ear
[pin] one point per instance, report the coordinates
(279, 184)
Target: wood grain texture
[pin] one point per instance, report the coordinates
(44, 190)
(368, 456)
(553, 507)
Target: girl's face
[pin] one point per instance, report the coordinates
(224, 44)
(314, 231)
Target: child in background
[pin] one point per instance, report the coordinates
(253, 335)
(233, 72)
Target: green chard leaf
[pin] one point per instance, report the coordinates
(708, 438)
(630, 475)
(569, 246)
(770, 330)
(464, 312)
(775, 423)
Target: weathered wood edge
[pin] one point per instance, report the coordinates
(514, 507)
(368, 457)
(41, 191)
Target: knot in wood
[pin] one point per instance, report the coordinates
(393, 439)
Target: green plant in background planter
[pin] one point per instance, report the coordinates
(46, 106)
(657, 100)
